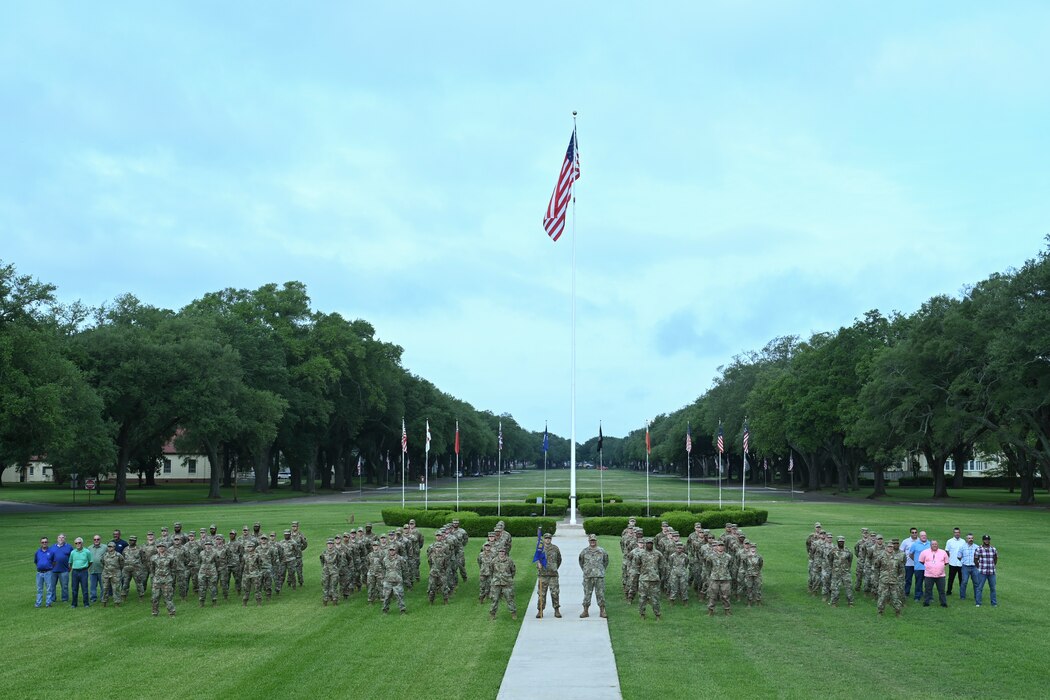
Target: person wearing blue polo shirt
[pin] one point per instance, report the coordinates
(60, 572)
(969, 569)
(918, 548)
(44, 559)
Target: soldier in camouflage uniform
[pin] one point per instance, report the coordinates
(485, 559)
(841, 560)
(548, 580)
(331, 561)
(648, 562)
(860, 553)
(503, 537)
(112, 570)
(753, 576)
(707, 548)
(811, 542)
(889, 570)
(208, 574)
(289, 555)
(719, 584)
(437, 558)
(374, 578)
(301, 543)
(276, 563)
(461, 541)
(416, 537)
(191, 556)
(234, 552)
(252, 581)
(634, 558)
(393, 579)
(594, 561)
(222, 565)
(503, 572)
(678, 575)
(346, 563)
(136, 567)
(162, 571)
(739, 555)
(266, 555)
(872, 547)
(179, 554)
(693, 544)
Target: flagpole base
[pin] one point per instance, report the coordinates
(572, 510)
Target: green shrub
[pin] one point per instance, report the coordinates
(556, 508)
(638, 509)
(682, 521)
(580, 496)
(475, 525)
(615, 525)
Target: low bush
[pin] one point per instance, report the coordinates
(555, 508)
(475, 525)
(682, 521)
(638, 509)
(580, 496)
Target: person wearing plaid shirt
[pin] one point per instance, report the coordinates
(985, 559)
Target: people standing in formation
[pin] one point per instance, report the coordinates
(887, 571)
(382, 566)
(593, 561)
(547, 575)
(169, 566)
(667, 565)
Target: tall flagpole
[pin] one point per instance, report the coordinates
(743, 476)
(601, 472)
(546, 446)
(499, 469)
(647, 469)
(457, 466)
(572, 431)
(688, 468)
(426, 471)
(720, 449)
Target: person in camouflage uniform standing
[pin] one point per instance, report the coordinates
(290, 556)
(136, 567)
(648, 562)
(841, 559)
(548, 580)
(437, 558)
(753, 576)
(693, 544)
(375, 573)
(811, 545)
(162, 571)
(503, 572)
(252, 579)
(346, 563)
(181, 556)
(234, 552)
(208, 574)
(719, 583)
(393, 579)
(627, 562)
(461, 542)
(277, 563)
(873, 546)
(861, 552)
(594, 561)
(222, 565)
(634, 562)
(267, 554)
(889, 570)
(331, 561)
(678, 575)
(112, 570)
(301, 544)
(416, 537)
(191, 556)
(485, 558)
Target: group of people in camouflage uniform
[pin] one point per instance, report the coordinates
(176, 561)
(719, 568)
(879, 568)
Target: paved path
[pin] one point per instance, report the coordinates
(570, 657)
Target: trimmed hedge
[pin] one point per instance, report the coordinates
(638, 509)
(475, 525)
(526, 510)
(580, 496)
(680, 521)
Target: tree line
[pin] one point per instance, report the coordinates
(962, 375)
(255, 379)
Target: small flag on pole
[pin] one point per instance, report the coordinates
(404, 437)
(688, 439)
(747, 437)
(721, 441)
(457, 437)
(765, 464)
(600, 439)
(546, 439)
(791, 463)
(501, 436)
(554, 219)
(648, 444)
(428, 436)
(359, 465)
(540, 555)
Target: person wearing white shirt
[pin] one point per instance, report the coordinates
(953, 546)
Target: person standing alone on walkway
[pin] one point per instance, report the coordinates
(548, 577)
(594, 561)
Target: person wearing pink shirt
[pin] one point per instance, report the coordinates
(935, 560)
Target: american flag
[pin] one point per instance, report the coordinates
(791, 463)
(501, 436)
(359, 465)
(428, 436)
(688, 439)
(765, 464)
(721, 441)
(554, 219)
(747, 437)
(404, 437)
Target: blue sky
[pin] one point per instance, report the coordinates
(749, 170)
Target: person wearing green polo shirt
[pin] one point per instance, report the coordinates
(97, 549)
(79, 563)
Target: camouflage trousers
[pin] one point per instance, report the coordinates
(813, 577)
(207, 583)
(192, 578)
(375, 586)
(182, 583)
(705, 576)
(892, 593)
(649, 593)
(236, 572)
(549, 584)
(345, 580)
(299, 570)
(278, 576)
(461, 565)
(266, 581)
(695, 571)
(718, 590)
(595, 585)
(393, 590)
(861, 576)
(825, 582)
(678, 585)
(436, 585)
(753, 589)
(140, 583)
(329, 584)
(484, 586)
(289, 574)
(632, 586)
(163, 589)
(252, 583)
(111, 586)
(224, 582)
(839, 582)
(506, 592)
(413, 566)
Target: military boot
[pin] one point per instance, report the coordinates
(557, 612)
(601, 612)
(325, 603)
(514, 615)
(492, 616)
(585, 613)
(155, 610)
(710, 612)
(171, 614)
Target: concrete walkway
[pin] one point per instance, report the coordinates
(570, 657)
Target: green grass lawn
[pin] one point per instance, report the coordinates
(896, 494)
(794, 646)
(165, 493)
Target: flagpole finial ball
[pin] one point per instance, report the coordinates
(574, 112)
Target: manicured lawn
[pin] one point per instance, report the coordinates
(896, 494)
(293, 647)
(164, 493)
